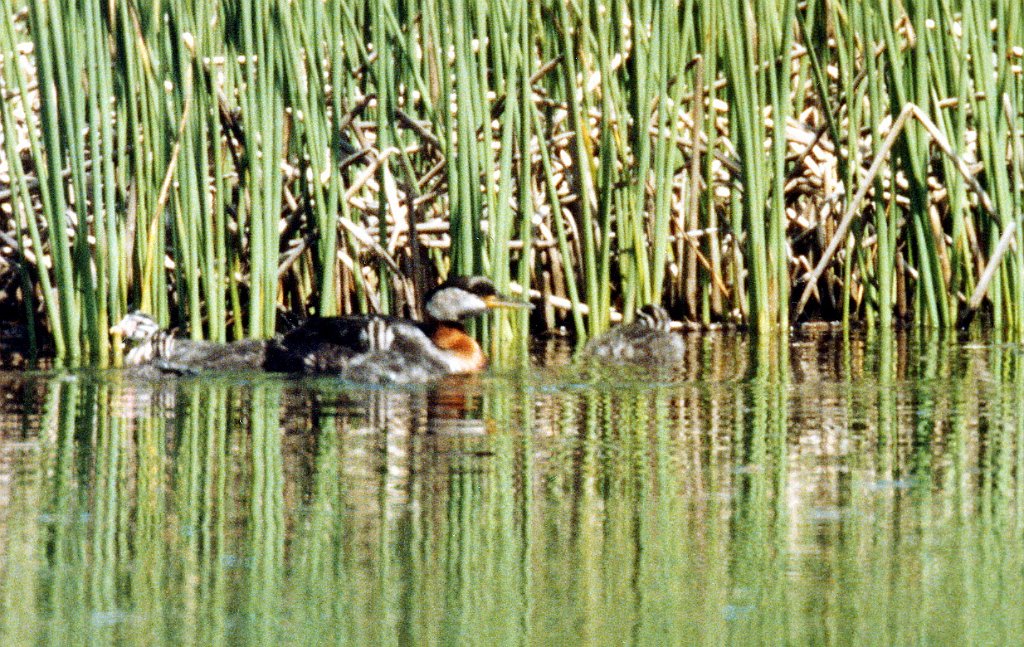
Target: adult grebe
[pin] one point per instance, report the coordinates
(378, 348)
(158, 348)
(647, 340)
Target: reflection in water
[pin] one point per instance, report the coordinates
(866, 491)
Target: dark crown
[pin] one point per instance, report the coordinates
(481, 286)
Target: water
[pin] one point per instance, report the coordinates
(820, 493)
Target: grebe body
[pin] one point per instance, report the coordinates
(648, 339)
(378, 348)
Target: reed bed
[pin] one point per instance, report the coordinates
(221, 163)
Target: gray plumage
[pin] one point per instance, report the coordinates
(648, 339)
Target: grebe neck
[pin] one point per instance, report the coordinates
(456, 349)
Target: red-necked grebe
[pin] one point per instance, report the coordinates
(378, 348)
(648, 339)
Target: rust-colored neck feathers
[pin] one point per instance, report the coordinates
(466, 354)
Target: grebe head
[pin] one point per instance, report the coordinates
(654, 317)
(136, 326)
(462, 297)
(148, 339)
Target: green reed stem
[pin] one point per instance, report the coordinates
(195, 158)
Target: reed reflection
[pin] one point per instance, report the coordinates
(756, 495)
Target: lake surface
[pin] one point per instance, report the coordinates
(823, 491)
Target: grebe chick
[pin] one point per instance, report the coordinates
(648, 339)
(159, 348)
(147, 340)
(378, 348)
